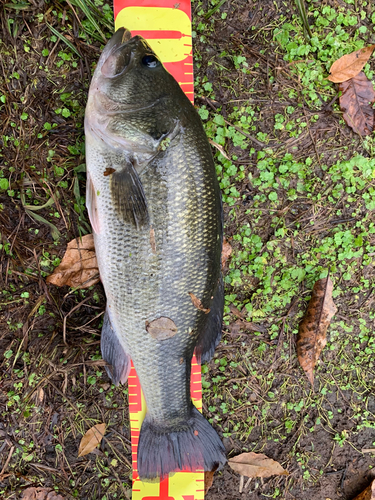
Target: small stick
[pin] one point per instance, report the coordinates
(242, 478)
(248, 482)
(8, 460)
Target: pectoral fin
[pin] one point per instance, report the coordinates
(113, 353)
(128, 196)
(91, 204)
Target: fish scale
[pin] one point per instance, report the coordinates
(154, 203)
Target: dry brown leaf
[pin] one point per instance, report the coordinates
(108, 171)
(40, 494)
(219, 148)
(225, 253)
(91, 439)
(197, 303)
(208, 479)
(312, 332)
(241, 324)
(78, 268)
(368, 493)
(161, 328)
(256, 465)
(40, 395)
(357, 95)
(350, 65)
(236, 312)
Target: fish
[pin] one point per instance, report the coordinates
(154, 203)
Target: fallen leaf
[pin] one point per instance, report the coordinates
(368, 493)
(357, 95)
(350, 65)
(91, 439)
(197, 303)
(208, 479)
(233, 309)
(79, 267)
(225, 253)
(241, 324)
(40, 395)
(161, 328)
(312, 332)
(40, 494)
(108, 171)
(256, 465)
(219, 148)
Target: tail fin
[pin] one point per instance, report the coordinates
(189, 445)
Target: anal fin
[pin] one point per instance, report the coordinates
(210, 336)
(128, 196)
(113, 353)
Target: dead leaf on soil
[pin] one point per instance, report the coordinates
(356, 103)
(208, 479)
(241, 324)
(219, 148)
(368, 493)
(197, 303)
(312, 332)
(225, 253)
(79, 267)
(161, 328)
(91, 439)
(236, 312)
(350, 65)
(40, 494)
(256, 465)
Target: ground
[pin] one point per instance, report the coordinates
(299, 198)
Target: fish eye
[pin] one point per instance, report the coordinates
(150, 61)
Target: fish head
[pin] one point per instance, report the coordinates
(129, 72)
(132, 98)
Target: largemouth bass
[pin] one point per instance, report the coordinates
(155, 207)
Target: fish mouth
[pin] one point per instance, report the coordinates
(126, 36)
(120, 53)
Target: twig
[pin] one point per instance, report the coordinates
(260, 144)
(7, 462)
(248, 482)
(242, 479)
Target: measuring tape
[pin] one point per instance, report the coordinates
(166, 25)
